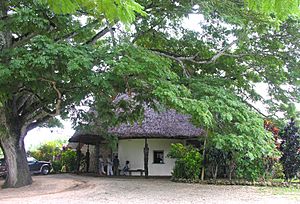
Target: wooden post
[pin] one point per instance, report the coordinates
(87, 158)
(146, 158)
(78, 157)
(97, 154)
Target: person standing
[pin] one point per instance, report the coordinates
(126, 169)
(101, 166)
(109, 166)
(116, 163)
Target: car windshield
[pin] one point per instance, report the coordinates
(31, 159)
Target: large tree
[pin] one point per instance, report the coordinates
(51, 62)
(46, 63)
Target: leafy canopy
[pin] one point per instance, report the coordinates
(53, 63)
(280, 9)
(112, 10)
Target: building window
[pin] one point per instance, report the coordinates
(158, 157)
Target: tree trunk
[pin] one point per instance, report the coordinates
(11, 132)
(12, 142)
(15, 157)
(216, 172)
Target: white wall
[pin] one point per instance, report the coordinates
(133, 151)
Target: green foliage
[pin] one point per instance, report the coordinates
(57, 165)
(112, 142)
(47, 151)
(1, 153)
(237, 131)
(290, 149)
(281, 9)
(68, 159)
(188, 161)
(277, 172)
(53, 123)
(160, 60)
(254, 61)
(113, 10)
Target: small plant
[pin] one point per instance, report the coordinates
(68, 159)
(57, 166)
(47, 151)
(277, 171)
(188, 161)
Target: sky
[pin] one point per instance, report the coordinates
(41, 135)
(38, 136)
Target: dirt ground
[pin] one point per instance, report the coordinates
(66, 188)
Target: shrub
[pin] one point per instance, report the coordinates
(47, 151)
(290, 149)
(188, 161)
(68, 158)
(277, 171)
(57, 165)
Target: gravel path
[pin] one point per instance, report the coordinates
(66, 188)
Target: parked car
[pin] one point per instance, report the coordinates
(35, 166)
(38, 167)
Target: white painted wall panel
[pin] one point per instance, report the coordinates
(132, 150)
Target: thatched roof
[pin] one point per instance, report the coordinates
(166, 124)
(87, 137)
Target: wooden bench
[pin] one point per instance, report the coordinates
(136, 170)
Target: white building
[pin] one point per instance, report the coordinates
(146, 145)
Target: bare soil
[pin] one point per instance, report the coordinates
(67, 188)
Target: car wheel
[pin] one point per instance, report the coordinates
(45, 170)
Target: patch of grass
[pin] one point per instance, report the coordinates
(282, 180)
(281, 190)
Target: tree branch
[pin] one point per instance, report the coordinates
(58, 101)
(256, 109)
(178, 59)
(38, 122)
(96, 37)
(41, 115)
(236, 55)
(75, 32)
(193, 58)
(139, 34)
(24, 39)
(111, 30)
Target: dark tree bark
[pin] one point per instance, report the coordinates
(15, 157)
(15, 121)
(12, 142)
(11, 132)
